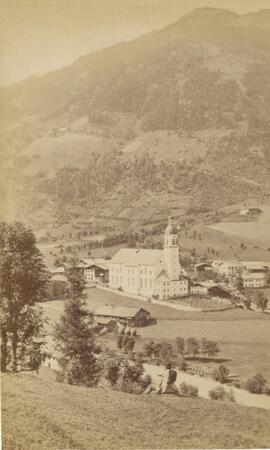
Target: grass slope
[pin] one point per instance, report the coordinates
(39, 413)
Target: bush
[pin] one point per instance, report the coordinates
(126, 343)
(221, 374)
(256, 384)
(266, 390)
(180, 345)
(131, 378)
(151, 349)
(181, 363)
(166, 352)
(220, 394)
(188, 390)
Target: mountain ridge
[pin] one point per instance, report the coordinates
(198, 80)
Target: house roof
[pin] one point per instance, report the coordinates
(202, 264)
(232, 263)
(98, 262)
(138, 256)
(253, 276)
(208, 284)
(104, 320)
(256, 265)
(198, 285)
(126, 312)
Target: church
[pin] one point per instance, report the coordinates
(150, 272)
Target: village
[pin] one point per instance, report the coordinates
(156, 276)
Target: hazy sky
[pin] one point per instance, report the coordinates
(41, 35)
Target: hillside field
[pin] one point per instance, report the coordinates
(41, 414)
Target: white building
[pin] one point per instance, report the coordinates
(95, 270)
(254, 279)
(229, 268)
(150, 272)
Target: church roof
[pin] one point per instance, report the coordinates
(138, 256)
(163, 275)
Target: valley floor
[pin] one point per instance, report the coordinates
(40, 414)
(242, 336)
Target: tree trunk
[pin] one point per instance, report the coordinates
(4, 349)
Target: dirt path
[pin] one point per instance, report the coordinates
(205, 384)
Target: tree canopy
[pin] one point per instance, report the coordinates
(23, 281)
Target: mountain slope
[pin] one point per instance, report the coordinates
(203, 80)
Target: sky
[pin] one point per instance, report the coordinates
(37, 36)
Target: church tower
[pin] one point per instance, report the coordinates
(171, 251)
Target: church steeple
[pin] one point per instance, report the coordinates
(171, 250)
(171, 238)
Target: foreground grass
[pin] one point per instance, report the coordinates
(39, 413)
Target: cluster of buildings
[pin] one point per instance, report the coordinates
(154, 273)
(254, 274)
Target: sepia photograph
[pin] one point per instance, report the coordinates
(135, 224)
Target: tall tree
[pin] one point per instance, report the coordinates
(75, 336)
(192, 346)
(261, 301)
(23, 281)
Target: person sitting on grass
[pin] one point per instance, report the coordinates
(167, 382)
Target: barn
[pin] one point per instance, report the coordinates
(133, 316)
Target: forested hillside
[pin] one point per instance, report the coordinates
(203, 82)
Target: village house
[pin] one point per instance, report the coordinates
(95, 270)
(256, 266)
(198, 289)
(203, 267)
(254, 279)
(209, 288)
(229, 268)
(250, 211)
(133, 316)
(150, 272)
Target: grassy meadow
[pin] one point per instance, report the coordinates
(243, 336)
(41, 414)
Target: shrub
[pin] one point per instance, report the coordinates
(128, 343)
(151, 349)
(131, 377)
(256, 384)
(165, 352)
(180, 345)
(221, 374)
(219, 393)
(188, 390)
(266, 390)
(181, 363)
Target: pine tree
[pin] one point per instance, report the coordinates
(75, 336)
